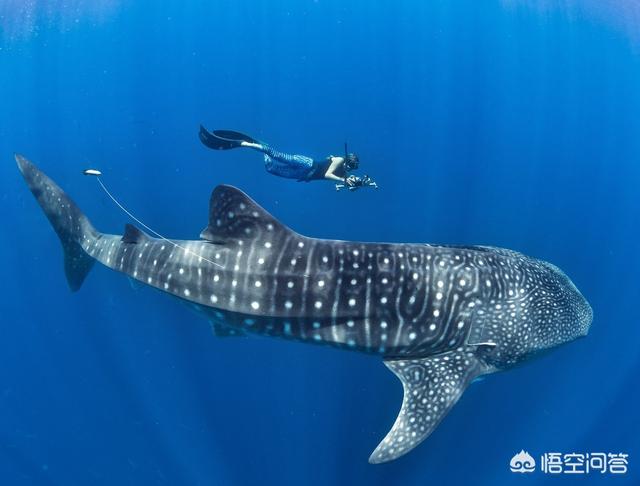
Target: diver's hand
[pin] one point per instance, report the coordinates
(353, 181)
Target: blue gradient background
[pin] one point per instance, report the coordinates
(484, 122)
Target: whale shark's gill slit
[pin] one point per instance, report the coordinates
(151, 230)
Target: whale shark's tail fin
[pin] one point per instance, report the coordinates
(71, 225)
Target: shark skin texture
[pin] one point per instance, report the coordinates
(439, 316)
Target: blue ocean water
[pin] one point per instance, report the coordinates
(510, 123)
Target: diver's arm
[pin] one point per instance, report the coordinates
(336, 162)
(333, 177)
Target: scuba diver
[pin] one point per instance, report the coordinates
(291, 166)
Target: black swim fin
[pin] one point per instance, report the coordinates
(223, 139)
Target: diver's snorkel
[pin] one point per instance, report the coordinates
(346, 157)
(350, 160)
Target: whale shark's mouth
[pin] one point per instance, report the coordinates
(580, 312)
(583, 313)
(585, 318)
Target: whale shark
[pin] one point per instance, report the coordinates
(439, 316)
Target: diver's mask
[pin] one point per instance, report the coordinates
(351, 162)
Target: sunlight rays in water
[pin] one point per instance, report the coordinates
(621, 15)
(21, 19)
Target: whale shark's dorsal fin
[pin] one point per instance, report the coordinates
(134, 235)
(235, 216)
(431, 386)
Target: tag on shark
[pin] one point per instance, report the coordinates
(432, 386)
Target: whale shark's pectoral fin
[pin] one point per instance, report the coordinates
(220, 330)
(432, 386)
(234, 216)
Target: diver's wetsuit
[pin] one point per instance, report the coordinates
(320, 168)
(294, 166)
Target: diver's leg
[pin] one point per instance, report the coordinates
(291, 166)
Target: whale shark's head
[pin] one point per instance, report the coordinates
(565, 314)
(549, 311)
